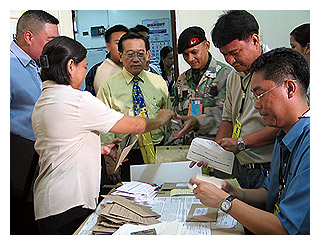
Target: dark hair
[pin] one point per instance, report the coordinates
(302, 34)
(163, 54)
(234, 24)
(139, 28)
(116, 28)
(281, 64)
(58, 52)
(34, 20)
(132, 35)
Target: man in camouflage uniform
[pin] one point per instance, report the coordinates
(199, 92)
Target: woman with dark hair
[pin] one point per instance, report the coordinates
(166, 66)
(300, 42)
(66, 123)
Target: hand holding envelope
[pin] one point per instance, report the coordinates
(208, 151)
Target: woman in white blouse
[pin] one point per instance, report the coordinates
(66, 123)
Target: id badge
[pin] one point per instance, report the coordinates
(195, 107)
(237, 129)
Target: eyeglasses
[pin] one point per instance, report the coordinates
(257, 97)
(132, 55)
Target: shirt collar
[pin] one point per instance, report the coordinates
(128, 76)
(289, 140)
(24, 58)
(51, 84)
(110, 61)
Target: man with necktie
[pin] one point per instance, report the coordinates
(136, 92)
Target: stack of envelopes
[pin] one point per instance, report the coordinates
(122, 211)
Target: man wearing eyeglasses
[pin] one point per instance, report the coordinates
(282, 204)
(117, 92)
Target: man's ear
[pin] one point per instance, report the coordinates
(207, 45)
(307, 49)
(121, 57)
(255, 39)
(108, 46)
(28, 37)
(148, 55)
(291, 88)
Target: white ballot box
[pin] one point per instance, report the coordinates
(210, 152)
(164, 172)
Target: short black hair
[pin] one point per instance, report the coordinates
(116, 28)
(33, 20)
(139, 28)
(281, 64)
(302, 34)
(132, 35)
(232, 25)
(58, 52)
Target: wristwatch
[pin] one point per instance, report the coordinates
(226, 204)
(241, 144)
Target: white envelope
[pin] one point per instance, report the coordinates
(210, 152)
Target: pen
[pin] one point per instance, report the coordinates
(158, 187)
(127, 142)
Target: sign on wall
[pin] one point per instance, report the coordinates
(160, 36)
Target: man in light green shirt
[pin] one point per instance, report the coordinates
(116, 91)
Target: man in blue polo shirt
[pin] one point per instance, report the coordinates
(34, 29)
(282, 205)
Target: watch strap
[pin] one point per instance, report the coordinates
(230, 198)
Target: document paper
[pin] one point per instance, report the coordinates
(124, 147)
(212, 153)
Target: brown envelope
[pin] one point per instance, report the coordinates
(202, 213)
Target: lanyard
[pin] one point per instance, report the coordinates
(244, 93)
(282, 173)
(284, 168)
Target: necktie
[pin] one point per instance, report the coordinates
(139, 103)
(140, 110)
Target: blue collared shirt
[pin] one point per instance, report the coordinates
(25, 89)
(292, 148)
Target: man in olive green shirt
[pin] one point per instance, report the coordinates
(116, 91)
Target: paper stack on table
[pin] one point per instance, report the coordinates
(138, 191)
(122, 211)
(166, 228)
(212, 153)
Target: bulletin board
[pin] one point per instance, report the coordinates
(160, 36)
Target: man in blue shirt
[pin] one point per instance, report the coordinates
(34, 29)
(282, 205)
